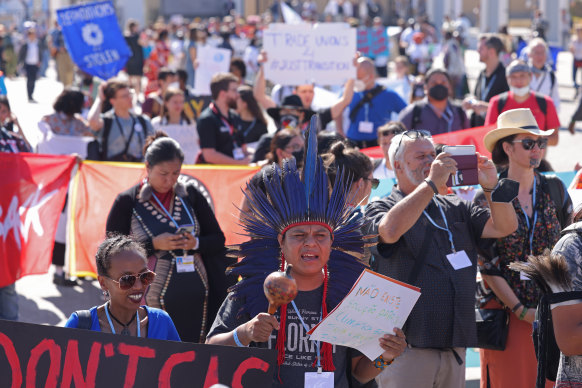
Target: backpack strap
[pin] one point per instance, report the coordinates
(107, 124)
(542, 103)
(552, 79)
(555, 187)
(368, 97)
(501, 102)
(416, 111)
(85, 320)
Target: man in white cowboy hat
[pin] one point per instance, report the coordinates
(520, 95)
(430, 240)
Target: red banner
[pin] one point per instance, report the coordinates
(98, 183)
(471, 136)
(32, 195)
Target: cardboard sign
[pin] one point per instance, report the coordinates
(46, 356)
(301, 53)
(373, 307)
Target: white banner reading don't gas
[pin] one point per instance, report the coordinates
(301, 53)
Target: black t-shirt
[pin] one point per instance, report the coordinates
(488, 87)
(249, 131)
(215, 132)
(300, 351)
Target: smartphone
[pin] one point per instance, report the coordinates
(185, 229)
(467, 173)
(459, 150)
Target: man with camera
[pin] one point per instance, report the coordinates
(430, 240)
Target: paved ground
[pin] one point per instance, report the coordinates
(44, 303)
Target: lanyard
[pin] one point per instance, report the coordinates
(446, 228)
(542, 82)
(367, 110)
(224, 120)
(111, 323)
(485, 90)
(306, 330)
(250, 127)
(168, 213)
(530, 229)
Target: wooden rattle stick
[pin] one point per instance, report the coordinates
(280, 288)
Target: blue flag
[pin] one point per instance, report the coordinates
(93, 38)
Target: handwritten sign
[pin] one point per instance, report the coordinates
(211, 61)
(373, 307)
(301, 54)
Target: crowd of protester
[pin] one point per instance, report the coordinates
(146, 115)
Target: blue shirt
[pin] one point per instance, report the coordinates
(160, 325)
(378, 111)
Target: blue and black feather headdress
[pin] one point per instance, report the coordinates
(287, 200)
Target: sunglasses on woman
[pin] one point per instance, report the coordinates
(375, 182)
(528, 144)
(127, 281)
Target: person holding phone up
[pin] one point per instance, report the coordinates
(184, 243)
(430, 240)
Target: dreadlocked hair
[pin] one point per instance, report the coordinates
(114, 244)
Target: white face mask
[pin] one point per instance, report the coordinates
(174, 85)
(359, 85)
(519, 91)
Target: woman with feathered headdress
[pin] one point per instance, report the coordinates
(297, 221)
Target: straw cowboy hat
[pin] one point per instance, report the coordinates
(513, 122)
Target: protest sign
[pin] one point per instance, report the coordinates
(211, 60)
(373, 307)
(93, 38)
(54, 356)
(301, 53)
(32, 196)
(97, 184)
(373, 42)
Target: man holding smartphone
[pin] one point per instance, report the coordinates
(430, 240)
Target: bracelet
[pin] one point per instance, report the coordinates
(236, 340)
(516, 307)
(380, 363)
(432, 186)
(523, 312)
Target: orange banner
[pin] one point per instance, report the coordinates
(471, 136)
(98, 183)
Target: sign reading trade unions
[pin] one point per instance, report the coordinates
(93, 38)
(300, 54)
(46, 356)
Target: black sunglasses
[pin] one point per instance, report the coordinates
(388, 132)
(127, 281)
(414, 134)
(528, 144)
(375, 182)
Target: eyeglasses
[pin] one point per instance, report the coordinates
(127, 281)
(375, 182)
(414, 134)
(389, 132)
(528, 144)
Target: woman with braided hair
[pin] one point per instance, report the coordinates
(124, 277)
(296, 221)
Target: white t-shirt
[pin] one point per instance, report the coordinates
(383, 172)
(184, 133)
